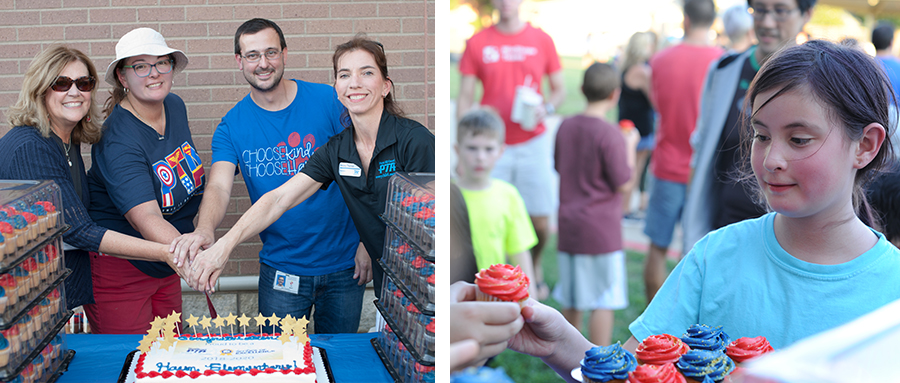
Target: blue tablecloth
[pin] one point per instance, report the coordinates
(99, 358)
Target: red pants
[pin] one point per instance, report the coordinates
(127, 300)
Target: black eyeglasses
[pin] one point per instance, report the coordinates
(143, 69)
(84, 84)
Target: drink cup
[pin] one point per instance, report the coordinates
(525, 106)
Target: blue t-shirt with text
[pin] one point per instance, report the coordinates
(316, 237)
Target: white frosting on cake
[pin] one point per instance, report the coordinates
(228, 359)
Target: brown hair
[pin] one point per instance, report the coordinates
(360, 42)
(30, 109)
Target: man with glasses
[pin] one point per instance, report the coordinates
(715, 197)
(268, 136)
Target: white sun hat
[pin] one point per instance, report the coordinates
(143, 41)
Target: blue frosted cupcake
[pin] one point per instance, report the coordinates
(607, 364)
(480, 375)
(703, 337)
(703, 365)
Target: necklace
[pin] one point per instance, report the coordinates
(144, 120)
(66, 148)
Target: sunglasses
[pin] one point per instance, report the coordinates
(63, 83)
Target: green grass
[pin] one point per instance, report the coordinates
(523, 368)
(572, 74)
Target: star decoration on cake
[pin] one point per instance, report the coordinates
(229, 320)
(287, 324)
(273, 321)
(165, 344)
(260, 320)
(219, 321)
(169, 331)
(244, 320)
(144, 344)
(176, 319)
(205, 322)
(157, 322)
(192, 321)
(300, 330)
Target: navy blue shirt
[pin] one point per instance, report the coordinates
(133, 164)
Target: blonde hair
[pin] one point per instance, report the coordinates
(30, 109)
(639, 49)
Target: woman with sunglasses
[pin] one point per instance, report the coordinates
(146, 180)
(53, 116)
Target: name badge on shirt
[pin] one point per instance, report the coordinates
(348, 169)
(286, 282)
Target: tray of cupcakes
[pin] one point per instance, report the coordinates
(29, 215)
(702, 354)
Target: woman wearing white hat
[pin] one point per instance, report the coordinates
(146, 180)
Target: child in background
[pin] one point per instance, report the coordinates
(500, 227)
(594, 161)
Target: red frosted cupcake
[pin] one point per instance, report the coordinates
(502, 283)
(660, 349)
(652, 373)
(747, 348)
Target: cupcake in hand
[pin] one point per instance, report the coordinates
(660, 349)
(744, 349)
(502, 283)
(699, 365)
(703, 337)
(607, 364)
(653, 373)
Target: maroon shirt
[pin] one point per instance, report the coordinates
(591, 160)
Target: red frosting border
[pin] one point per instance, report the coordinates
(307, 361)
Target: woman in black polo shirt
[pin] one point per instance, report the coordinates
(378, 142)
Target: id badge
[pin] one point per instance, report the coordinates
(349, 169)
(286, 282)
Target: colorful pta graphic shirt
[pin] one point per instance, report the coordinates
(133, 164)
(316, 237)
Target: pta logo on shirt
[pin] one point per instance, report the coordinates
(507, 53)
(386, 168)
(182, 165)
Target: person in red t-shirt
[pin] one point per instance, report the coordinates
(509, 56)
(678, 74)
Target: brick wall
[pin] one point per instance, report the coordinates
(211, 84)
